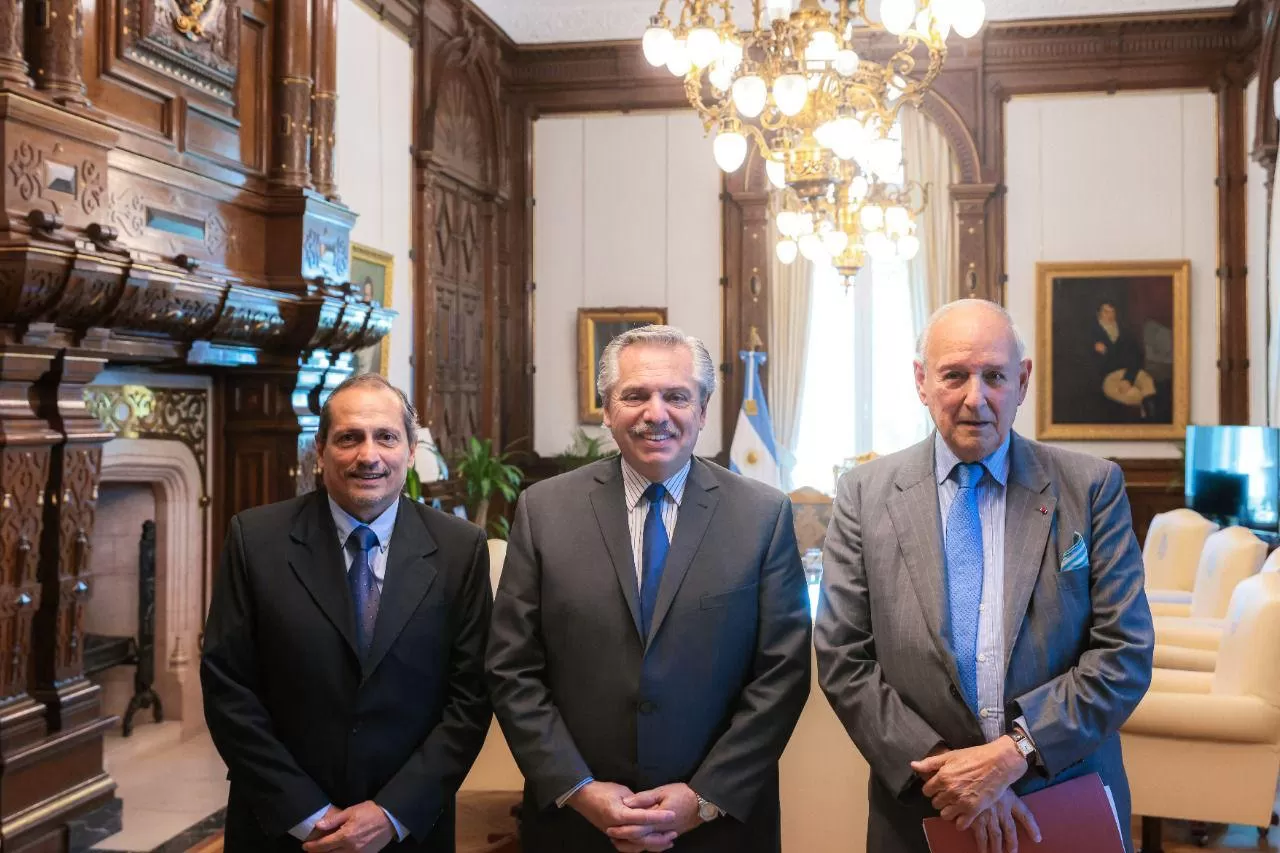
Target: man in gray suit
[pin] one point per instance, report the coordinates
(649, 654)
(983, 630)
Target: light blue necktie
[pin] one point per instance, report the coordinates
(964, 576)
(654, 556)
(363, 586)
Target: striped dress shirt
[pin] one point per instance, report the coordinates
(991, 510)
(633, 486)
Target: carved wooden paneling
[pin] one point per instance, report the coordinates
(46, 171)
(193, 43)
(13, 64)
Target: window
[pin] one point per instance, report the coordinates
(859, 395)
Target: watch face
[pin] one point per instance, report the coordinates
(706, 811)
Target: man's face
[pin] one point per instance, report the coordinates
(654, 411)
(972, 381)
(1107, 314)
(366, 455)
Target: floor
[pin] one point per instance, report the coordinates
(169, 788)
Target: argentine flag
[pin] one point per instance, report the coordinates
(753, 452)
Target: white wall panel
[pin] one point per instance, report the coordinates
(374, 168)
(627, 214)
(1121, 177)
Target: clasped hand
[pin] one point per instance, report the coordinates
(963, 783)
(635, 822)
(363, 828)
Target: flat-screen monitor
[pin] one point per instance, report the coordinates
(1232, 475)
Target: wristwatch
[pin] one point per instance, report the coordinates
(1025, 747)
(707, 811)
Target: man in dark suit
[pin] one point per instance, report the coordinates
(343, 666)
(649, 654)
(983, 630)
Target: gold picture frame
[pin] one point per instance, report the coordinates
(372, 276)
(596, 327)
(1113, 350)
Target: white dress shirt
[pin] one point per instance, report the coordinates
(382, 527)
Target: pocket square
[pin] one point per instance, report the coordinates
(1076, 557)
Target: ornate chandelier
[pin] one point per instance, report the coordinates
(821, 114)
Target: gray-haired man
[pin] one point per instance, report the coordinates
(649, 654)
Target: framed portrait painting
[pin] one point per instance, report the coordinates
(1113, 348)
(596, 327)
(371, 278)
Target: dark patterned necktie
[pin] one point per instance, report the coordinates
(653, 557)
(363, 585)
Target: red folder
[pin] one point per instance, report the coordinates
(1073, 816)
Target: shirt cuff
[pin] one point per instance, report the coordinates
(564, 798)
(304, 829)
(401, 832)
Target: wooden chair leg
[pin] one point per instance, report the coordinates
(1152, 835)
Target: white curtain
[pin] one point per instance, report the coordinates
(928, 160)
(790, 288)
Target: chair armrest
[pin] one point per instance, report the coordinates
(1190, 633)
(1180, 681)
(1224, 719)
(1180, 657)
(1170, 608)
(1170, 596)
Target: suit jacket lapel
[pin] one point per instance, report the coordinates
(315, 556)
(1029, 514)
(410, 573)
(610, 505)
(914, 512)
(696, 508)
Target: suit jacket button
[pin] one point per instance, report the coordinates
(955, 694)
(647, 707)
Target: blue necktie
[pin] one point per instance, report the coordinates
(964, 576)
(653, 557)
(363, 586)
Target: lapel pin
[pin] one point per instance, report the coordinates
(1044, 510)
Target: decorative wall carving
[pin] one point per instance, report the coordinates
(195, 43)
(23, 474)
(169, 414)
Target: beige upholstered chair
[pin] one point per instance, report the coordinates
(1191, 642)
(495, 768)
(1170, 557)
(1206, 746)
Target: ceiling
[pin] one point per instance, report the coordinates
(547, 21)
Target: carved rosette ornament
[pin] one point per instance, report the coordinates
(13, 67)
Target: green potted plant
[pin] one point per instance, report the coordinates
(584, 450)
(484, 473)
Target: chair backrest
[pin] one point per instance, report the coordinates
(497, 556)
(1172, 550)
(811, 510)
(1249, 657)
(1273, 562)
(1229, 556)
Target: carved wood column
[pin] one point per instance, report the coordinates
(977, 241)
(55, 43)
(65, 560)
(747, 255)
(270, 414)
(292, 84)
(1233, 328)
(26, 444)
(13, 67)
(426, 364)
(325, 95)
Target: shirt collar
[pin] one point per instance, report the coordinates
(996, 464)
(634, 483)
(382, 526)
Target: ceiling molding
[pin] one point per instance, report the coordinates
(564, 21)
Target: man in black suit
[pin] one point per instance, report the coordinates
(649, 654)
(343, 657)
